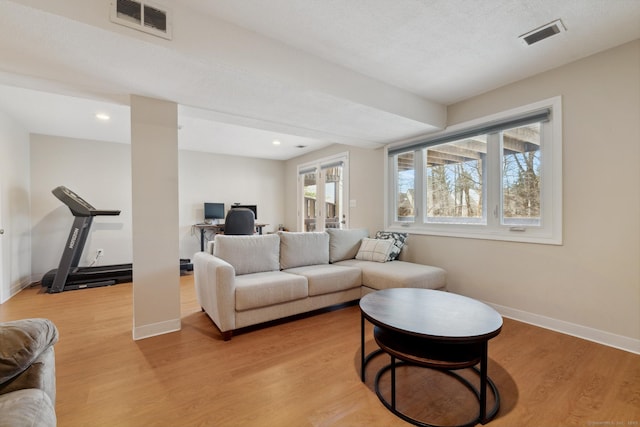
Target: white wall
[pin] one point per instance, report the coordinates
(15, 243)
(100, 172)
(589, 286)
(224, 179)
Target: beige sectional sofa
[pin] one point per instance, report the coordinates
(249, 280)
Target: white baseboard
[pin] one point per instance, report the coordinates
(573, 329)
(155, 329)
(15, 289)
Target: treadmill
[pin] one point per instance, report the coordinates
(68, 276)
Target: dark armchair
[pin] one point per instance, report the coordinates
(27, 373)
(240, 221)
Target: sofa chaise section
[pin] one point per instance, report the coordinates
(397, 274)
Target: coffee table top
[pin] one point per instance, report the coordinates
(431, 314)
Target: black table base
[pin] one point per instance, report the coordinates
(447, 358)
(391, 406)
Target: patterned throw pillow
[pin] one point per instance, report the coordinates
(398, 240)
(374, 250)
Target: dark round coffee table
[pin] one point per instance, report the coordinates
(431, 329)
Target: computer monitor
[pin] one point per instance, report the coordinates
(213, 211)
(254, 208)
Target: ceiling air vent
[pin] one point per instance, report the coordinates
(541, 33)
(143, 16)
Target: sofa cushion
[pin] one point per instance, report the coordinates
(23, 341)
(398, 240)
(29, 407)
(298, 249)
(398, 274)
(268, 288)
(344, 244)
(328, 278)
(374, 250)
(249, 254)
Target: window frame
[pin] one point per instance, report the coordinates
(550, 229)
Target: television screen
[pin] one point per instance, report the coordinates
(213, 210)
(254, 208)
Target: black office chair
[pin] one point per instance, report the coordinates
(240, 221)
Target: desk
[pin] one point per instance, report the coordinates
(431, 329)
(217, 228)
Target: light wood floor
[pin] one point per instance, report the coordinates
(305, 372)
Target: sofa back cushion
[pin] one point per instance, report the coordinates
(249, 254)
(300, 249)
(344, 244)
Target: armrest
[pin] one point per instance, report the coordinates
(26, 355)
(214, 280)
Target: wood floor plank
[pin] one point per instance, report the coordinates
(304, 372)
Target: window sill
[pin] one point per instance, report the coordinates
(529, 235)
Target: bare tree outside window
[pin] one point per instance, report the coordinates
(406, 187)
(455, 180)
(521, 175)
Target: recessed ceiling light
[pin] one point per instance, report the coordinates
(276, 142)
(103, 116)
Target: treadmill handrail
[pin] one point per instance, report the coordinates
(77, 205)
(96, 212)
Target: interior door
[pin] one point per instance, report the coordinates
(4, 269)
(309, 199)
(332, 176)
(323, 194)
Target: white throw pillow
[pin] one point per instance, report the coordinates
(374, 250)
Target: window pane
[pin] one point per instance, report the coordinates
(454, 188)
(405, 187)
(333, 195)
(521, 175)
(310, 197)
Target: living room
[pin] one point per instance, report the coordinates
(589, 286)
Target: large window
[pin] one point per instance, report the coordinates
(495, 178)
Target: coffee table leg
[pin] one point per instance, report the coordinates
(393, 382)
(362, 347)
(483, 383)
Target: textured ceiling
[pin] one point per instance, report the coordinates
(308, 73)
(443, 50)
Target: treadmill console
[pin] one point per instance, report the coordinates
(77, 205)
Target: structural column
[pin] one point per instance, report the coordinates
(154, 178)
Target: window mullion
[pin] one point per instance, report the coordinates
(492, 173)
(420, 186)
(393, 190)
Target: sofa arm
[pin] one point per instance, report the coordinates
(41, 374)
(214, 280)
(26, 355)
